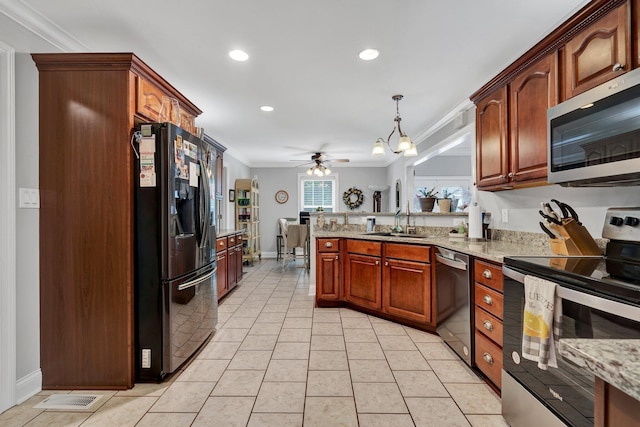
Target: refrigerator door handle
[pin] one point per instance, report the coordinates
(207, 211)
(197, 281)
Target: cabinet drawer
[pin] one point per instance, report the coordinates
(488, 274)
(221, 243)
(489, 325)
(489, 300)
(489, 359)
(407, 252)
(328, 245)
(364, 247)
(232, 240)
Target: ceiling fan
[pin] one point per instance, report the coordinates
(320, 162)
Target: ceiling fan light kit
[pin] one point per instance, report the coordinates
(405, 145)
(319, 167)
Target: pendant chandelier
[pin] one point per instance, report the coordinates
(405, 145)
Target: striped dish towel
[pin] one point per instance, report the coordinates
(541, 322)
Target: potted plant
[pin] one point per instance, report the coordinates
(427, 198)
(444, 204)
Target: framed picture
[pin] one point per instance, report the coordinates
(232, 195)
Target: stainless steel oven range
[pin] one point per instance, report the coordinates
(600, 299)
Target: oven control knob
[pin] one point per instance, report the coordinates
(631, 220)
(616, 220)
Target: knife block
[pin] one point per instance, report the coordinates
(574, 240)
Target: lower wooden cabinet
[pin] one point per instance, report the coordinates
(229, 257)
(389, 279)
(223, 274)
(328, 275)
(406, 282)
(363, 280)
(328, 271)
(613, 407)
(488, 314)
(489, 358)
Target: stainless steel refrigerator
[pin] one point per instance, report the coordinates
(175, 297)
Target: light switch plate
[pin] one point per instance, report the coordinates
(505, 215)
(29, 198)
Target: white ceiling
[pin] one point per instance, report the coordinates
(303, 61)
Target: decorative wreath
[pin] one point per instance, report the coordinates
(353, 198)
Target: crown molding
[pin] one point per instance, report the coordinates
(34, 21)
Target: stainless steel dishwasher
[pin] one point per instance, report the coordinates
(454, 322)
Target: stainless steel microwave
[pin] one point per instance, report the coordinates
(594, 137)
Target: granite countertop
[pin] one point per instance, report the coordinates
(227, 232)
(615, 361)
(493, 250)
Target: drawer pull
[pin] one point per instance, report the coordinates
(221, 243)
(328, 245)
(336, 256)
(487, 299)
(232, 240)
(487, 274)
(617, 67)
(487, 325)
(487, 358)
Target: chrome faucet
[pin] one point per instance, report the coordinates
(409, 229)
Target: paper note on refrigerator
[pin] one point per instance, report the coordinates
(193, 175)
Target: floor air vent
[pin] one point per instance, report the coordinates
(68, 401)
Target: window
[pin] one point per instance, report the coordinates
(318, 193)
(456, 187)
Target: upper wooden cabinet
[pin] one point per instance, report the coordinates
(531, 94)
(591, 47)
(492, 161)
(149, 98)
(598, 53)
(511, 128)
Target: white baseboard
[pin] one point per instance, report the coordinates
(28, 386)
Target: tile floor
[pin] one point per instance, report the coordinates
(278, 361)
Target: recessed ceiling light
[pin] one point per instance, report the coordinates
(266, 108)
(239, 55)
(369, 54)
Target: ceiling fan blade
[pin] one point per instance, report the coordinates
(338, 160)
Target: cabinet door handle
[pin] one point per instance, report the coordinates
(502, 177)
(487, 299)
(487, 358)
(487, 274)
(377, 262)
(511, 174)
(617, 67)
(328, 245)
(336, 256)
(386, 263)
(487, 325)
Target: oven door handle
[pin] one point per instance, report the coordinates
(606, 305)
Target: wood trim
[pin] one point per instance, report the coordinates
(112, 62)
(553, 42)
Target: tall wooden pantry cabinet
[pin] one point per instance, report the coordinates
(89, 104)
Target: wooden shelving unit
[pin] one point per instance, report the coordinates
(248, 217)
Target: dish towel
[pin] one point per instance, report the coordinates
(541, 323)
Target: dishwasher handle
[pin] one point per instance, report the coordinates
(460, 265)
